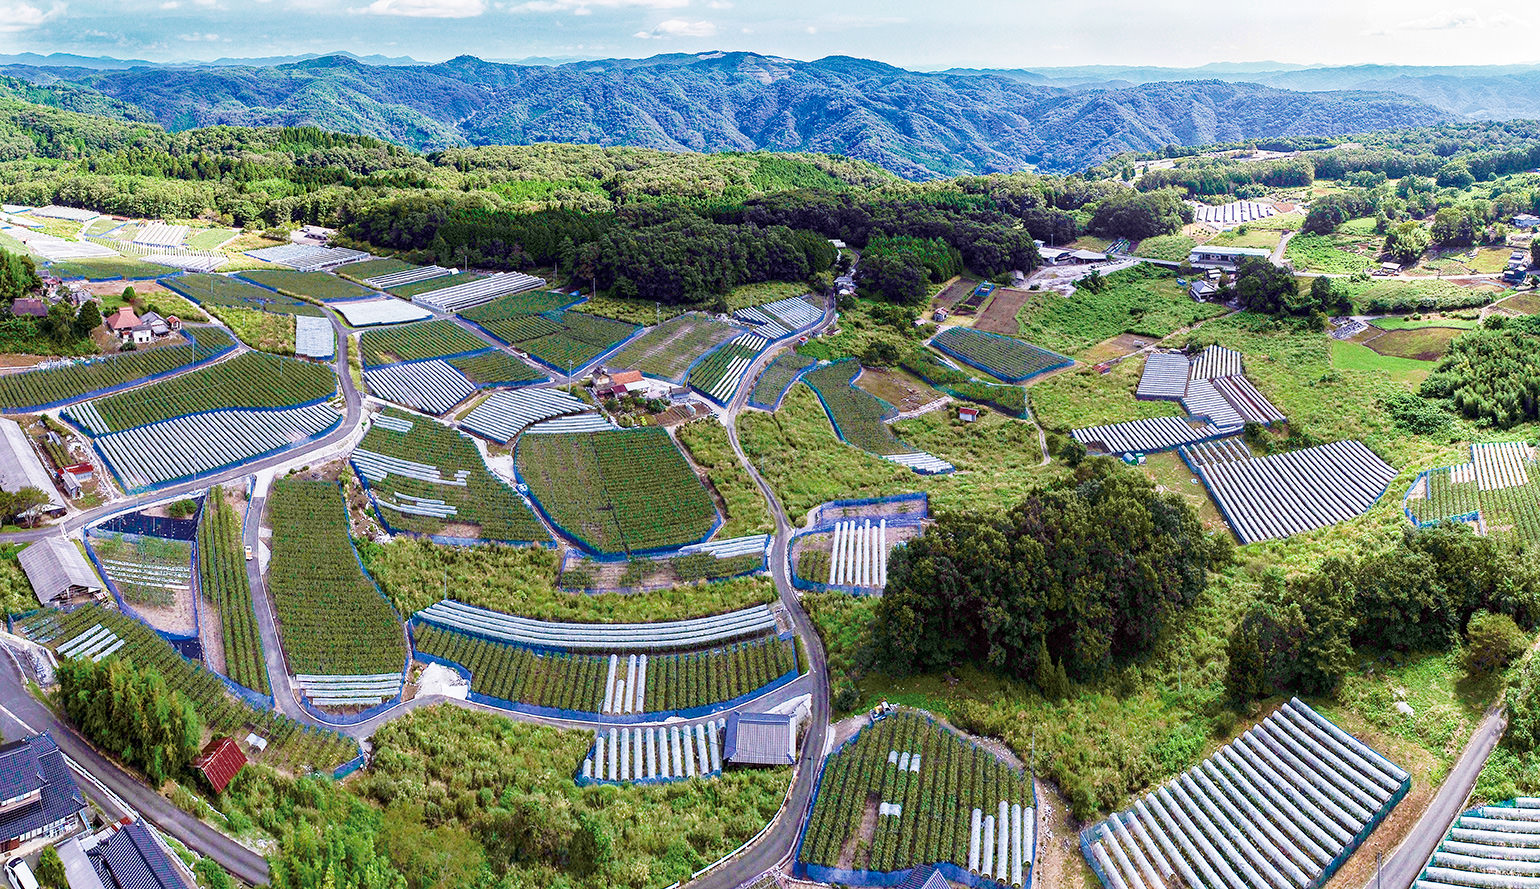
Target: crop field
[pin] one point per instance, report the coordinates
(222, 578)
(1420, 344)
(249, 380)
(928, 366)
(369, 268)
(428, 285)
(291, 745)
(617, 491)
(708, 446)
(584, 683)
(38, 387)
(414, 342)
(719, 376)
(1173, 248)
(515, 305)
(209, 238)
(1500, 486)
(217, 291)
(954, 786)
(778, 377)
(332, 619)
(1005, 358)
(857, 415)
(1257, 238)
(107, 268)
(534, 322)
(313, 286)
(431, 478)
(496, 369)
(1326, 254)
(147, 570)
(666, 351)
(1141, 300)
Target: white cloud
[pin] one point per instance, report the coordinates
(198, 37)
(678, 28)
(718, 4)
(427, 9)
(587, 7)
(18, 15)
(1457, 19)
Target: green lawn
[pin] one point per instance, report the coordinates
(1171, 247)
(108, 268)
(1143, 300)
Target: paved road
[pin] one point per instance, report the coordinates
(31, 716)
(1400, 870)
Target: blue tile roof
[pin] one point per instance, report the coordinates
(132, 859)
(61, 797)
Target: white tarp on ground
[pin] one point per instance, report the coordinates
(368, 312)
(56, 249)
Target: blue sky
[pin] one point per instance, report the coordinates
(912, 33)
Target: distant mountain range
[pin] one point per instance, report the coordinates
(918, 125)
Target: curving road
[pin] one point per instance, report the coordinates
(770, 849)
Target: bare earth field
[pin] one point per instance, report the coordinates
(1000, 315)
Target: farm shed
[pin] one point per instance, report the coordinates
(220, 762)
(59, 574)
(38, 798)
(967, 414)
(1224, 257)
(760, 739)
(1526, 221)
(20, 466)
(29, 306)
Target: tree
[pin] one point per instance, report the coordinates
(893, 277)
(1406, 241)
(1455, 174)
(591, 850)
(87, 319)
(1492, 642)
(1326, 295)
(50, 870)
(1263, 287)
(23, 504)
(1130, 214)
(1453, 227)
(18, 276)
(1534, 251)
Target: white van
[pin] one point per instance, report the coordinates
(19, 875)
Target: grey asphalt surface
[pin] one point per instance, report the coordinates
(1400, 870)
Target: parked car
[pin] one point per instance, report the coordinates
(250, 554)
(19, 875)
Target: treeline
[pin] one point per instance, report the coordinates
(1491, 374)
(1214, 176)
(133, 714)
(1065, 585)
(1421, 594)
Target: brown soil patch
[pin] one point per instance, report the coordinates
(902, 392)
(1000, 315)
(1120, 346)
(1058, 862)
(210, 636)
(861, 842)
(957, 290)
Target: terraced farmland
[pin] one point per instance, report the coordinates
(1010, 400)
(312, 286)
(1499, 488)
(249, 380)
(561, 339)
(496, 369)
(225, 291)
(222, 578)
(719, 376)
(515, 305)
(415, 342)
(617, 491)
(777, 378)
(858, 416)
(1002, 357)
(291, 745)
(430, 479)
(332, 619)
(667, 351)
(146, 570)
(597, 684)
(56, 385)
(941, 800)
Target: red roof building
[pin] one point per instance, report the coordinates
(121, 320)
(29, 306)
(967, 414)
(220, 762)
(625, 377)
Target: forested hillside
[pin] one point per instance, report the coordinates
(917, 125)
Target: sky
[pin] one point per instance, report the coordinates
(917, 34)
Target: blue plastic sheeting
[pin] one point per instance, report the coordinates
(607, 718)
(139, 524)
(179, 640)
(349, 767)
(824, 519)
(941, 347)
(379, 515)
(349, 718)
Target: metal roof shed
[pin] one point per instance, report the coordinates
(78, 870)
(20, 466)
(760, 739)
(926, 877)
(58, 573)
(220, 761)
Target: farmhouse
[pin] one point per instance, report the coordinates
(1224, 257)
(123, 855)
(29, 307)
(38, 798)
(1203, 290)
(59, 574)
(1388, 268)
(1527, 221)
(967, 414)
(760, 739)
(1053, 255)
(20, 467)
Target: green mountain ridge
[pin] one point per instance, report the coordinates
(917, 125)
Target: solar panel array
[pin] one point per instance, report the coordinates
(1233, 213)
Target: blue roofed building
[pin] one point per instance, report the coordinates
(124, 856)
(38, 796)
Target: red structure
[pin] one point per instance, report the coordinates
(220, 762)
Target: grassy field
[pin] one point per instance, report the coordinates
(747, 295)
(1326, 254)
(312, 286)
(1419, 322)
(209, 238)
(1378, 295)
(1084, 397)
(861, 323)
(667, 350)
(1421, 344)
(108, 268)
(1247, 236)
(1137, 300)
(1170, 247)
(1361, 358)
(260, 330)
(745, 509)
